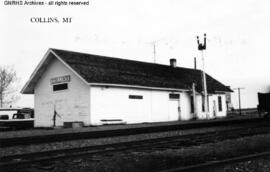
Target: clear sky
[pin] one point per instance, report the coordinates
(238, 35)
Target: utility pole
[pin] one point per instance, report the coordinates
(239, 98)
(195, 63)
(154, 51)
(153, 43)
(202, 47)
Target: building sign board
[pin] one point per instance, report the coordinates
(60, 79)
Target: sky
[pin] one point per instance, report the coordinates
(237, 37)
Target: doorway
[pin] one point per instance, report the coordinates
(174, 107)
(214, 109)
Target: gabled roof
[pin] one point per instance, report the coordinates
(95, 69)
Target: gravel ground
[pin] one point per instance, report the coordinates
(50, 131)
(259, 165)
(154, 160)
(89, 142)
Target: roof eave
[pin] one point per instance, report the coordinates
(138, 87)
(78, 75)
(227, 91)
(25, 89)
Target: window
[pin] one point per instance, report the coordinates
(135, 97)
(174, 96)
(60, 87)
(219, 103)
(191, 104)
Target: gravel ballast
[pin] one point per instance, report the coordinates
(90, 142)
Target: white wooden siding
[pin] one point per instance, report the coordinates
(202, 115)
(91, 104)
(114, 103)
(71, 104)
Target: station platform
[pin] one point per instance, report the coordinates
(114, 129)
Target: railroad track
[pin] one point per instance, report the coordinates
(219, 164)
(173, 142)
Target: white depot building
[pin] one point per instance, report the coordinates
(77, 87)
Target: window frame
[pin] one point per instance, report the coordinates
(174, 96)
(135, 97)
(59, 90)
(192, 108)
(220, 104)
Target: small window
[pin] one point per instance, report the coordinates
(191, 104)
(174, 96)
(135, 97)
(219, 103)
(60, 87)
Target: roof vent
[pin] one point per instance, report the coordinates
(173, 62)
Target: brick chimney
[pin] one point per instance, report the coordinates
(173, 62)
